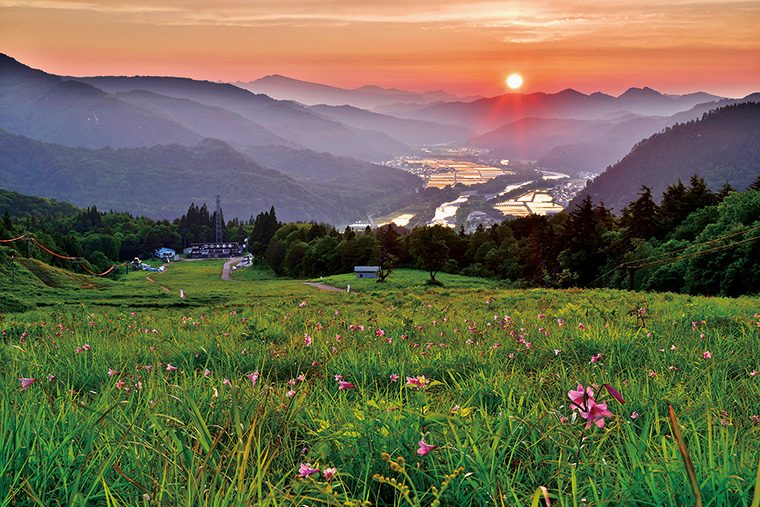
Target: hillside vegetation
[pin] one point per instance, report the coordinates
(723, 148)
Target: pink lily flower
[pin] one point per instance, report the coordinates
(394, 377)
(305, 470)
(342, 384)
(207, 373)
(706, 354)
(290, 393)
(596, 413)
(425, 447)
(170, 367)
(112, 372)
(26, 382)
(307, 340)
(328, 473)
(253, 377)
(579, 396)
(596, 357)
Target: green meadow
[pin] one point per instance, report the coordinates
(265, 391)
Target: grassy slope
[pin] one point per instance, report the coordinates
(60, 439)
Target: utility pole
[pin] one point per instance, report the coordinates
(218, 235)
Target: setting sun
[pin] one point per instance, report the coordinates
(514, 81)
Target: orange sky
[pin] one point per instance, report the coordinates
(464, 47)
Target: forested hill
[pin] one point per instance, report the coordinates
(20, 205)
(722, 147)
(159, 181)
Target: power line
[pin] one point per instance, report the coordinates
(645, 262)
(695, 254)
(78, 260)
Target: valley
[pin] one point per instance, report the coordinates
(489, 190)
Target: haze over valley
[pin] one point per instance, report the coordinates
(364, 156)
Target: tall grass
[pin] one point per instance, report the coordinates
(496, 409)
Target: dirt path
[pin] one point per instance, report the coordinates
(163, 288)
(322, 286)
(228, 265)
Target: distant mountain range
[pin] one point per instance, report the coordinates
(722, 147)
(365, 97)
(491, 113)
(589, 145)
(152, 145)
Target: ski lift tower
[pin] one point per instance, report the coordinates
(218, 235)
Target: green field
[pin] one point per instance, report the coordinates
(497, 364)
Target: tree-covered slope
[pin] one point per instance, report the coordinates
(160, 181)
(722, 147)
(20, 205)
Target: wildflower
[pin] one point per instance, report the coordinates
(290, 393)
(595, 357)
(338, 337)
(673, 347)
(51, 378)
(652, 373)
(226, 382)
(343, 384)
(26, 382)
(420, 381)
(207, 373)
(614, 393)
(578, 396)
(634, 415)
(112, 372)
(561, 322)
(394, 377)
(425, 447)
(581, 326)
(557, 351)
(754, 373)
(305, 470)
(595, 413)
(301, 304)
(307, 340)
(86, 347)
(755, 419)
(328, 473)
(379, 332)
(120, 384)
(707, 354)
(170, 367)
(338, 378)
(253, 377)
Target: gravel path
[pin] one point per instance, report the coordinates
(322, 286)
(228, 265)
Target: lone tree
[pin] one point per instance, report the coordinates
(428, 246)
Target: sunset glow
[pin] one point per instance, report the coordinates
(514, 81)
(459, 46)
